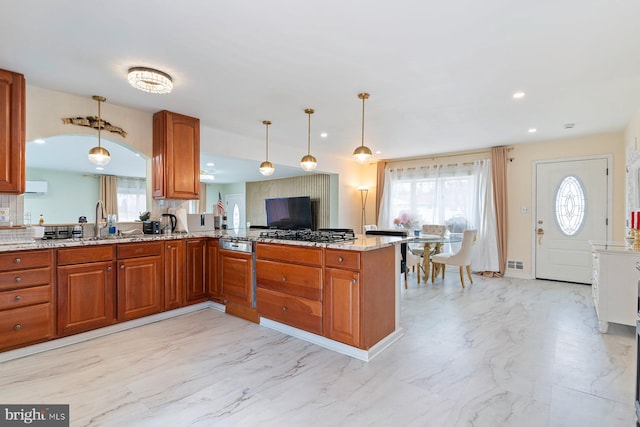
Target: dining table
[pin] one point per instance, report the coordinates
(432, 244)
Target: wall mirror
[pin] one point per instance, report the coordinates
(63, 185)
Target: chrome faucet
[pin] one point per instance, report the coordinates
(99, 215)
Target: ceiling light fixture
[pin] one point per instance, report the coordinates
(533, 130)
(362, 154)
(518, 95)
(308, 162)
(150, 80)
(266, 167)
(98, 155)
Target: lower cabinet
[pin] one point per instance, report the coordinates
(342, 306)
(174, 274)
(26, 298)
(236, 277)
(140, 280)
(289, 285)
(196, 270)
(86, 288)
(213, 281)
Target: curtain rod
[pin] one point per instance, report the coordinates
(443, 156)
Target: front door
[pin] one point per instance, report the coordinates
(571, 209)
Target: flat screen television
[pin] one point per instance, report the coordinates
(289, 213)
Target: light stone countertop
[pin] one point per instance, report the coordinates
(617, 247)
(362, 242)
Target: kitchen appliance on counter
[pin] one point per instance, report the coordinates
(57, 232)
(151, 227)
(168, 223)
(319, 236)
(201, 222)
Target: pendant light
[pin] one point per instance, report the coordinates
(308, 162)
(362, 154)
(266, 167)
(97, 155)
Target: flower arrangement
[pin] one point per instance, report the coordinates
(405, 220)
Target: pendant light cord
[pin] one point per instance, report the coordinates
(363, 98)
(266, 154)
(309, 134)
(99, 124)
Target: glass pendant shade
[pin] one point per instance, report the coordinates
(266, 168)
(362, 154)
(99, 156)
(308, 163)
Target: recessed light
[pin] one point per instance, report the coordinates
(323, 135)
(533, 130)
(569, 125)
(39, 141)
(211, 164)
(99, 168)
(378, 152)
(518, 95)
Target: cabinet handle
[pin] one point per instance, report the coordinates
(168, 246)
(108, 268)
(18, 280)
(18, 298)
(284, 308)
(17, 260)
(122, 267)
(340, 259)
(284, 279)
(353, 280)
(17, 327)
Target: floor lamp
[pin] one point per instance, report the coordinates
(364, 192)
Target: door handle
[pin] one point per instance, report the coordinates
(540, 232)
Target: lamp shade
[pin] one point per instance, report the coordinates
(266, 168)
(362, 154)
(308, 163)
(99, 156)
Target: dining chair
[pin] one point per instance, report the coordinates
(462, 258)
(417, 251)
(370, 227)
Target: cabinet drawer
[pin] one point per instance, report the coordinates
(25, 259)
(288, 253)
(25, 278)
(24, 297)
(298, 280)
(134, 250)
(26, 324)
(301, 313)
(85, 254)
(343, 259)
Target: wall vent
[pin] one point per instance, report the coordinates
(515, 265)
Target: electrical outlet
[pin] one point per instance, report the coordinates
(524, 209)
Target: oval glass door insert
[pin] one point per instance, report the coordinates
(570, 205)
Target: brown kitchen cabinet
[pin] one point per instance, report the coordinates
(27, 304)
(236, 277)
(359, 296)
(176, 156)
(12, 132)
(86, 288)
(289, 285)
(140, 280)
(196, 270)
(174, 274)
(213, 282)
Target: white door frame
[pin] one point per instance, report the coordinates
(534, 208)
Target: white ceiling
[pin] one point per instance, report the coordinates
(440, 74)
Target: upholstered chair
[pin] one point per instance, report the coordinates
(462, 258)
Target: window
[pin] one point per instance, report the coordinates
(570, 205)
(132, 198)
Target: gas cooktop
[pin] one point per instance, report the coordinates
(320, 236)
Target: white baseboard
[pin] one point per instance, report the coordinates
(356, 353)
(509, 273)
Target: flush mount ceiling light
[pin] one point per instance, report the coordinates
(150, 80)
(518, 95)
(308, 162)
(97, 155)
(266, 167)
(362, 154)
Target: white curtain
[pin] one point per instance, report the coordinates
(441, 193)
(132, 198)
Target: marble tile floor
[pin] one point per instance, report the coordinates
(502, 352)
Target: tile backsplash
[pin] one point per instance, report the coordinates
(15, 203)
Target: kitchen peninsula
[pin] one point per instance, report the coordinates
(341, 295)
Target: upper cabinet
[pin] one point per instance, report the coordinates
(12, 132)
(176, 156)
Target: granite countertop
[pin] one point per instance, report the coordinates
(617, 247)
(362, 242)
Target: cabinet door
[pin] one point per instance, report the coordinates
(86, 297)
(176, 156)
(140, 287)
(236, 277)
(196, 271)
(174, 277)
(342, 306)
(12, 132)
(213, 283)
